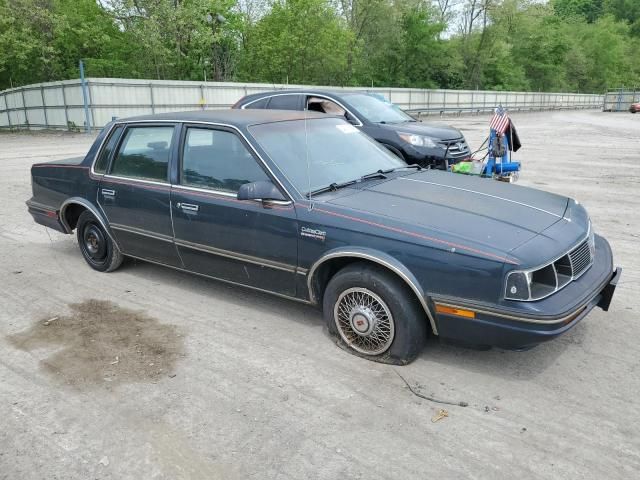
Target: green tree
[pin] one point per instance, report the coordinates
(298, 41)
(590, 10)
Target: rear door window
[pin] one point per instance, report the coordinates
(144, 153)
(285, 102)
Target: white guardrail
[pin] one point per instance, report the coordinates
(61, 105)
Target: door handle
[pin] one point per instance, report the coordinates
(106, 192)
(188, 207)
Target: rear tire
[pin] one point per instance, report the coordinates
(96, 246)
(374, 314)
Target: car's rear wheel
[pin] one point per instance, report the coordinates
(98, 249)
(374, 314)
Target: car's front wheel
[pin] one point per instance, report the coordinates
(374, 314)
(97, 248)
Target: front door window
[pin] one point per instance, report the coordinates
(217, 159)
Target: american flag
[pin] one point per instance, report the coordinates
(500, 121)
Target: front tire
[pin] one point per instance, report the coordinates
(374, 314)
(96, 246)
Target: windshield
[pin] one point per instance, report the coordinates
(376, 110)
(337, 152)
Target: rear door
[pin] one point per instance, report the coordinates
(246, 242)
(135, 192)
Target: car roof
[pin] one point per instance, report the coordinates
(310, 91)
(236, 118)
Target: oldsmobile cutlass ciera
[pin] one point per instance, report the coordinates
(306, 206)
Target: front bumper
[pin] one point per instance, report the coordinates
(433, 156)
(503, 328)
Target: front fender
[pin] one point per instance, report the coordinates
(380, 258)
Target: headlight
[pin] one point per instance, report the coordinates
(518, 286)
(418, 140)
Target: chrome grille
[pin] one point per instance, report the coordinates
(543, 281)
(580, 258)
(458, 148)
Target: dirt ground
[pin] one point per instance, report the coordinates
(148, 373)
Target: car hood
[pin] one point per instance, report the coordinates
(485, 212)
(434, 130)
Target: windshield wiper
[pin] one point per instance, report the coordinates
(417, 167)
(331, 187)
(376, 174)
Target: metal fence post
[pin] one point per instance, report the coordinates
(66, 109)
(91, 105)
(24, 107)
(153, 103)
(6, 106)
(44, 107)
(202, 99)
(85, 98)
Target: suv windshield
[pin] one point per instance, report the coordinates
(337, 152)
(376, 110)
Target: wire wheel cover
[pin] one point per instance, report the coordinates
(364, 321)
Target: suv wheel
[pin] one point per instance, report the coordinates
(97, 248)
(374, 314)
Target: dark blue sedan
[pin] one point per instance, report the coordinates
(307, 207)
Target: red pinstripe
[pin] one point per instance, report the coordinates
(415, 234)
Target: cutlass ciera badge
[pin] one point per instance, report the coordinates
(313, 233)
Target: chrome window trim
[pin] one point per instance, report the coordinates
(529, 271)
(224, 193)
(205, 190)
(215, 124)
(95, 157)
(373, 258)
(137, 180)
(319, 95)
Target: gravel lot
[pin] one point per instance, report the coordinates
(181, 377)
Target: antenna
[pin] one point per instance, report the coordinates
(306, 151)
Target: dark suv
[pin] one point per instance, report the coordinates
(413, 141)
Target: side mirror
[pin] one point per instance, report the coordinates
(260, 191)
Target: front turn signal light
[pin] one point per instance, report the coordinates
(460, 312)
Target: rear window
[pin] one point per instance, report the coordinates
(144, 153)
(262, 103)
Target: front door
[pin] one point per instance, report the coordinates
(135, 194)
(247, 242)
